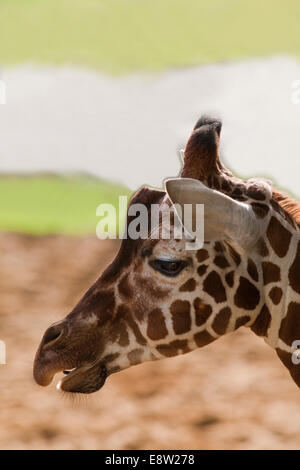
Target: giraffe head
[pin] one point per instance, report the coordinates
(158, 299)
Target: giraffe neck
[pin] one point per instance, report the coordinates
(289, 324)
(278, 321)
(281, 290)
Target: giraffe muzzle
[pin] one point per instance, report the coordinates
(86, 378)
(59, 351)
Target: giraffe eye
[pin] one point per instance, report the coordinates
(168, 268)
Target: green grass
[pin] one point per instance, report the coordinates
(54, 204)
(119, 36)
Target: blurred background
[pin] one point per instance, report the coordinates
(100, 97)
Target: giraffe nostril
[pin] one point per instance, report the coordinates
(53, 334)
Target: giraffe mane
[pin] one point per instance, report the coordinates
(289, 205)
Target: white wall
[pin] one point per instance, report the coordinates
(130, 128)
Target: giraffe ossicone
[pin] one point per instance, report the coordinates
(158, 299)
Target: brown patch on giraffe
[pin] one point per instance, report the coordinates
(135, 356)
(252, 270)
(221, 262)
(124, 287)
(124, 312)
(214, 287)
(202, 255)
(234, 255)
(101, 302)
(221, 321)
(136, 331)
(226, 185)
(255, 192)
(241, 321)
(271, 272)
(261, 210)
(173, 348)
(188, 286)
(124, 337)
(279, 237)
(115, 369)
(229, 278)
(262, 248)
(110, 357)
(119, 331)
(262, 322)
(203, 338)
(290, 324)
(181, 316)
(294, 277)
(276, 295)
(202, 269)
(156, 325)
(293, 369)
(247, 295)
(238, 190)
(219, 247)
(202, 311)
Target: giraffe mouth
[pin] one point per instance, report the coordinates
(84, 379)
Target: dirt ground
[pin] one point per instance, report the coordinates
(233, 394)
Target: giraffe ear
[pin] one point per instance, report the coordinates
(223, 217)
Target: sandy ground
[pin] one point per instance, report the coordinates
(233, 394)
(129, 129)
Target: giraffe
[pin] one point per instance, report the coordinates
(157, 299)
